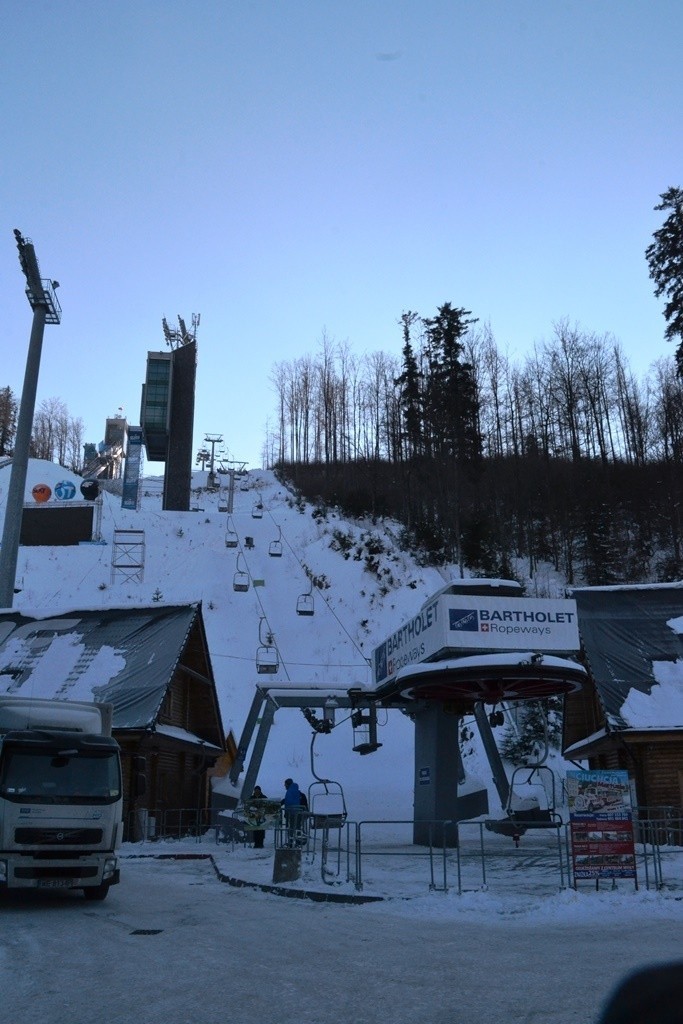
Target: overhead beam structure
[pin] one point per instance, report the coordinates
(269, 699)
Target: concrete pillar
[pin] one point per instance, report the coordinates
(442, 790)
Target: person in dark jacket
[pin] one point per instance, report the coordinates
(293, 810)
(258, 833)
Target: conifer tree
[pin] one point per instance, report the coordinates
(410, 399)
(534, 720)
(451, 398)
(8, 420)
(665, 260)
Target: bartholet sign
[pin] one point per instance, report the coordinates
(451, 624)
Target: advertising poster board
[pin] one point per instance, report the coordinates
(262, 813)
(601, 824)
(55, 525)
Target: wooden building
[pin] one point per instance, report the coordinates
(631, 716)
(153, 666)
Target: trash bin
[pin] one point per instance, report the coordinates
(287, 865)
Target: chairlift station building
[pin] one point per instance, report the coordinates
(475, 643)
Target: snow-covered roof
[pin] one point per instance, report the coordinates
(174, 732)
(633, 641)
(124, 656)
(476, 585)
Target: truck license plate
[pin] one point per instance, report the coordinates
(55, 883)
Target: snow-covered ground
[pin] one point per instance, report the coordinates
(173, 945)
(376, 861)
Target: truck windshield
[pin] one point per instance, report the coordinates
(60, 777)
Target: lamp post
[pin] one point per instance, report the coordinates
(46, 310)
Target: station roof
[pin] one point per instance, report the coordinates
(632, 638)
(123, 656)
(492, 678)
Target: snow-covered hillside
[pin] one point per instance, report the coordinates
(365, 588)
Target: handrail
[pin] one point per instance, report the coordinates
(470, 854)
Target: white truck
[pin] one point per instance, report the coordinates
(60, 796)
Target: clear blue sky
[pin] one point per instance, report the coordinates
(285, 168)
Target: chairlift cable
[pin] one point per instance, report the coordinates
(329, 607)
(265, 617)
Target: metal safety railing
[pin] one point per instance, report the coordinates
(434, 856)
(658, 832)
(153, 825)
(467, 857)
(460, 857)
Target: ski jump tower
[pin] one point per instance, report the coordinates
(167, 411)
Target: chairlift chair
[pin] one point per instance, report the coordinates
(305, 605)
(275, 547)
(326, 803)
(267, 659)
(530, 810)
(526, 812)
(364, 723)
(257, 508)
(230, 536)
(240, 580)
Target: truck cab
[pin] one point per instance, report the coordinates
(60, 798)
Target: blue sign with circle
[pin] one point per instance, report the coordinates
(65, 490)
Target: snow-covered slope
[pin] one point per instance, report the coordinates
(365, 589)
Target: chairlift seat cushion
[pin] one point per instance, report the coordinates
(327, 820)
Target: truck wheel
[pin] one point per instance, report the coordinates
(96, 892)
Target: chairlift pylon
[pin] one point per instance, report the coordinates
(275, 547)
(240, 580)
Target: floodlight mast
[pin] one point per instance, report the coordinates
(46, 310)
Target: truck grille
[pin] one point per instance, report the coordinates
(58, 836)
(55, 872)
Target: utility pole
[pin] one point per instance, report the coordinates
(46, 310)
